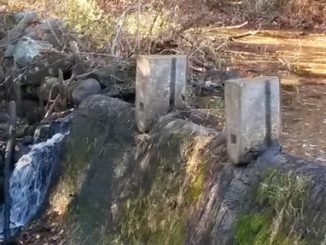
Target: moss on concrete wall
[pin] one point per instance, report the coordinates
(159, 215)
(281, 199)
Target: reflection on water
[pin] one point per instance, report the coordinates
(304, 122)
(278, 52)
(298, 59)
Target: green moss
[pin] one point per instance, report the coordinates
(76, 161)
(252, 229)
(197, 184)
(283, 191)
(281, 198)
(158, 215)
(256, 229)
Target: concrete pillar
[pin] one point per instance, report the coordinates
(160, 87)
(253, 117)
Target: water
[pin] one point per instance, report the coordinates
(300, 62)
(31, 178)
(304, 123)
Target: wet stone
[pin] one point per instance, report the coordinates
(85, 88)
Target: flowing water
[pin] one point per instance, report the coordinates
(31, 179)
(298, 59)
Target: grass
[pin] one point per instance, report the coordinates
(159, 215)
(120, 26)
(281, 198)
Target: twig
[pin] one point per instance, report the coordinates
(118, 29)
(8, 161)
(79, 67)
(53, 33)
(170, 50)
(15, 33)
(83, 76)
(198, 69)
(246, 34)
(49, 97)
(237, 26)
(54, 104)
(151, 29)
(137, 49)
(6, 80)
(56, 115)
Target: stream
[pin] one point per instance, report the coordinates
(32, 176)
(299, 60)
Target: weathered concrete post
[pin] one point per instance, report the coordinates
(160, 87)
(253, 117)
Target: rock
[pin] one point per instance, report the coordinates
(27, 49)
(16, 32)
(3, 117)
(117, 72)
(20, 150)
(9, 51)
(2, 74)
(212, 82)
(46, 130)
(4, 131)
(219, 76)
(45, 31)
(50, 88)
(20, 15)
(24, 131)
(48, 65)
(30, 110)
(43, 132)
(10, 19)
(117, 79)
(85, 88)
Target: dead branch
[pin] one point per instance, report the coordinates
(137, 43)
(237, 26)
(56, 115)
(79, 67)
(8, 161)
(54, 104)
(246, 34)
(15, 33)
(53, 33)
(118, 30)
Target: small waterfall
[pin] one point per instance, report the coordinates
(30, 180)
